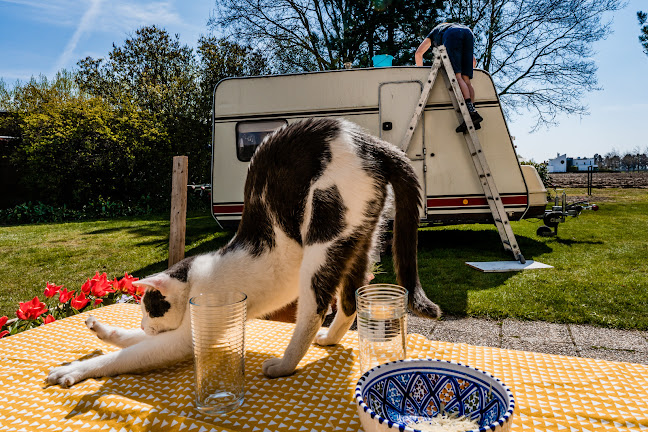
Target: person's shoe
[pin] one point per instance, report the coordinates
(476, 118)
(462, 128)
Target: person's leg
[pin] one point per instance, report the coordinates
(468, 83)
(465, 90)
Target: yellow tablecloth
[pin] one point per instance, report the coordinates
(552, 392)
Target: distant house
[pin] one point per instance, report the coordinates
(582, 164)
(558, 164)
(562, 163)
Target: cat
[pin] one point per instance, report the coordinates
(315, 196)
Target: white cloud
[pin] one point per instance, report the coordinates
(86, 23)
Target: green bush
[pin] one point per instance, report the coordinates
(38, 212)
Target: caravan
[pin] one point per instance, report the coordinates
(381, 100)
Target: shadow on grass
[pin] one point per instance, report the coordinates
(444, 275)
(571, 242)
(198, 228)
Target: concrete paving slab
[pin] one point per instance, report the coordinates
(536, 332)
(422, 326)
(589, 337)
(480, 332)
(536, 345)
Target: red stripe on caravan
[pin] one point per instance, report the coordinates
(474, 201)
(227, 208)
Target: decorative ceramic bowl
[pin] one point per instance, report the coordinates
(396, 395)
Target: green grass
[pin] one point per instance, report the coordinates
(69, 253)
(600, 275)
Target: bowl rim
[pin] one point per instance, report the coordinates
(401, 427)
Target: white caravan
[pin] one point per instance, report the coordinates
(382, 100)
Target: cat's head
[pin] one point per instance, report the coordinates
(164, 302)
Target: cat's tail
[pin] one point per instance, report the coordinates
(407, 203)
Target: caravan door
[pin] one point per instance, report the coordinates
(397, 101)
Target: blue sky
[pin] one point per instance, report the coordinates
(41, 37)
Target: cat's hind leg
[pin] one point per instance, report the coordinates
(355, 277)
(119, 337)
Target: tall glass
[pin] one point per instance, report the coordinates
(382, 324)
(218, 333)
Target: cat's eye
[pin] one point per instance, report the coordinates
(249, 135)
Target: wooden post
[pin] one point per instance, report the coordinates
(178, 222)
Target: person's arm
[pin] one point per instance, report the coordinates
(422, 49)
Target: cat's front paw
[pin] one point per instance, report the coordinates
(103, 332)
(323, 338)
(276, 367)
(67, 375)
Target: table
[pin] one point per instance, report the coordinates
(553, 393)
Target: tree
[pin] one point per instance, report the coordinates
(643, 37)
(152, 72)
(539, 52)
(73, 147)
(307, 35)
(220, 59)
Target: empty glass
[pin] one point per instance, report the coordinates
(218, 333)
(382, 324)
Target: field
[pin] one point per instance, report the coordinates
(601, 180)
(599, 274)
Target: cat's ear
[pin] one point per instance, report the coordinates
(159, 282)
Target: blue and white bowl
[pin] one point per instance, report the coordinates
(396, 395)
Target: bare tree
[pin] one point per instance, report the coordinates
(307, 35)
(539, 52)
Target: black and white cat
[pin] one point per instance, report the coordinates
(314, 196)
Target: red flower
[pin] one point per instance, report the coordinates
(3, 333)
(98, 286)
(65, 295)
(48, 319)
(125, 285)
(3, 321)
(98, 301)
(31, 309)
(51, 290)
(79, 302)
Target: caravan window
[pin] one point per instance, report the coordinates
(249, 135)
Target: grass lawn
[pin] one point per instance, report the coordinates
(599, 275)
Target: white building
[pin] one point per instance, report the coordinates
(561, 163)
(558, 164)
(583, 163)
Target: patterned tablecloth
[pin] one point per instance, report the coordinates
(552, 392)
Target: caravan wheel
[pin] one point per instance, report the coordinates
(544, 231)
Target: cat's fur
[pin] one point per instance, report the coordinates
(314, 196)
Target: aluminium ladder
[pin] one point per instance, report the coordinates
(441, 60)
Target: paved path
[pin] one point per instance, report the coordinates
(564, 339)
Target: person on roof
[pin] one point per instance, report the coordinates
(459, 42)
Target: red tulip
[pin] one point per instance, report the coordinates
(65, 295)
(51, 290)
(98, 286)
(79, 302)
(3, 321)
(31, 309)
(3, 333)
(98, 301)
(48, 319)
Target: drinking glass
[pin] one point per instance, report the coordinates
(218, 334)
(382, 324)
